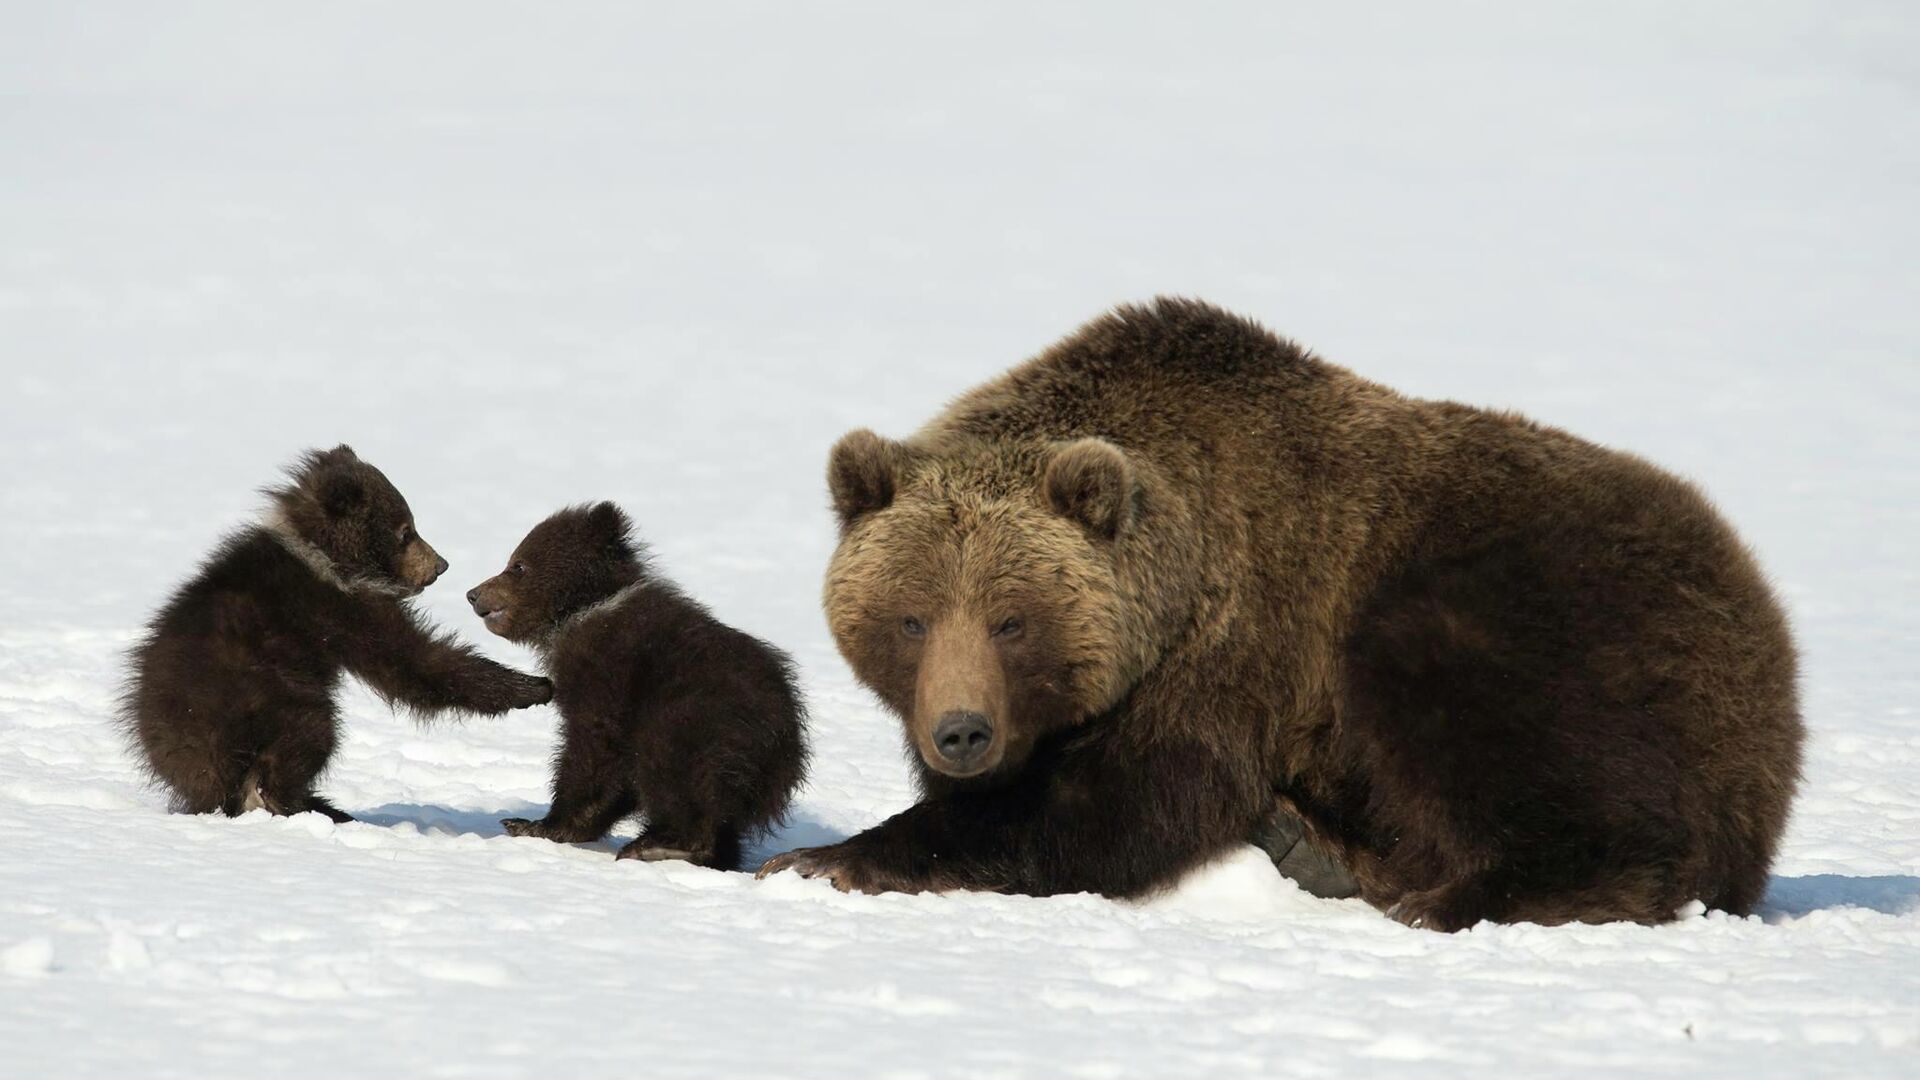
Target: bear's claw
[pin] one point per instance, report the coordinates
(849, 869)
(798, 860)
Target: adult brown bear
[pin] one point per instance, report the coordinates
(1176, 572)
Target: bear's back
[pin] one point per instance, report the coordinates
(1140, 371)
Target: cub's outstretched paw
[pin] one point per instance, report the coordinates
(496, 689)
(519, 826)
(531, 690)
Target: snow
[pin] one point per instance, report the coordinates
(523, 257)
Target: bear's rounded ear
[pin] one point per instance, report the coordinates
(613, 525)
(340, 492)
(1091, 481)
(862, 471)
(343, 452)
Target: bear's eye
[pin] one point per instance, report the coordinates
(1009, 628)
(517, 569)
(913, 627)
(404, 533)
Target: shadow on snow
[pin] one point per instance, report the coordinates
(1792, 897)
(1787, 897)
(799, 831)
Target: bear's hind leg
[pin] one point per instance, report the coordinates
(592, 792)
(1450, 907)
(201, 776)
(714, 848)
(303, 741)
(1647, 893)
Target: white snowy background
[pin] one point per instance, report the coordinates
(532, 254)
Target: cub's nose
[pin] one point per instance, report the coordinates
(439, 566)
(473, 595)
(963, 737)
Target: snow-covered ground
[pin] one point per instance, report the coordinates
(533, 254)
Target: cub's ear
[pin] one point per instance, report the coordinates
(340, 491)
(1091, 481)
(862, 471)
(613, 527)
(343, 452)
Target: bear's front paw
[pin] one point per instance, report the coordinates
(497, 689)
(529, 690)
(519, 826)
(851, 868)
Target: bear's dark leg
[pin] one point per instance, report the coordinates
(202, 775)
(283, 772)
(714, 847)
(1517, 767)
(203, 782)
(1450, 907)
(1162, 811)
(575, 820)
(1646, 894)
(590, 795)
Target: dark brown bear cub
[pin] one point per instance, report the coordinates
(665, 710)
(231, 693)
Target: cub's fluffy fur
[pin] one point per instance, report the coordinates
(667, 711)
(230, 697)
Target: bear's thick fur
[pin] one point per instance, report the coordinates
(1176, 573)
(665, 710)
(230, 698)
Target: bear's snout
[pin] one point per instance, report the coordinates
(963, 738)
(420, 565)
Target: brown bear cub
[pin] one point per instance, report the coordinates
(665, 711)
(1176, 575)
(230, 698)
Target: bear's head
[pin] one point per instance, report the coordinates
(352, 516)
(571, 561)
(975, 590)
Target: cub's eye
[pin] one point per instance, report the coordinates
(913, 627)
(1009, 628)
(404, 533)
(517, 569)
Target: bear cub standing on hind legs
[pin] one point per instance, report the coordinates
(231, 693)
(665, 710)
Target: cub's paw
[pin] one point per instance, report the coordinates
(498, 689)
(527, 691)
(851, 867)
(519, 826)
(652, 851)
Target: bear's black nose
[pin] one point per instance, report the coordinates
(473, 595)
(963, 737)
(439, 566)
